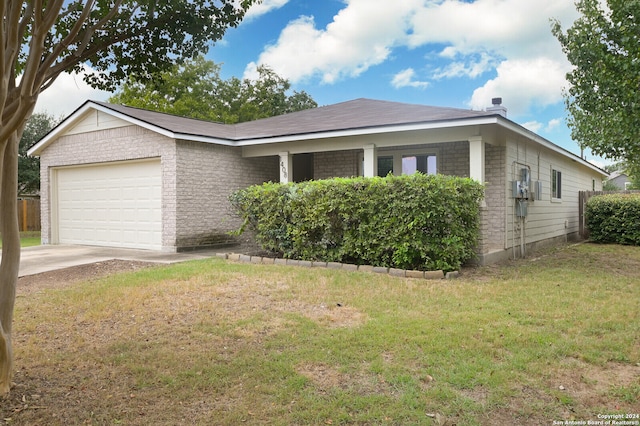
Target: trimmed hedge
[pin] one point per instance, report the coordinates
(422, 222)
(614, 218)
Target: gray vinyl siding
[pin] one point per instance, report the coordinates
(548, 218)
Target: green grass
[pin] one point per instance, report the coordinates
(217, 342)
(28, 239)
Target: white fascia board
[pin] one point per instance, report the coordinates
(510, 125)
(75, 116)
(204, 139)
(369, 131)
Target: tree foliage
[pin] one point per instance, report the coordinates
(111, 39)
(196, 90)
(633, 171)
(603, 101)
(38, 125)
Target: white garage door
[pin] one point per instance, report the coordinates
(114, 205)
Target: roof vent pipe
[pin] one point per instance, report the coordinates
(497, 107)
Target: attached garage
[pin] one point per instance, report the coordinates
(114, 205)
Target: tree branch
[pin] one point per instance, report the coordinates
(91, 31)
(3, 32)
(64, 43)
(52, 13)
(10, 47)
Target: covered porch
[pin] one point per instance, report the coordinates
(398, 154)
(464, 152)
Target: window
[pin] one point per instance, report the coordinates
(385, 166)
(418, 163)
(404, 162)
(556, 184)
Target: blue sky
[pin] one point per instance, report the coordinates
(450, 53)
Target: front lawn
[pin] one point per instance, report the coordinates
(216, 342)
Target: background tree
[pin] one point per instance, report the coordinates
(633, 171)
(38, 125)
(195, 89)
(603, 101)
(614, 167)
(40, 39)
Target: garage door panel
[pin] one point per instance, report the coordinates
(116, 205)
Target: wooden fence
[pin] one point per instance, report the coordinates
(29, 214)
(582, 207)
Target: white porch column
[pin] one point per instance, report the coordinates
(370, 161)
(476, 162)
(476, 159)
(286, 167)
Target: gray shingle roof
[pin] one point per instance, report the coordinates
(355, 114)
(174, 123)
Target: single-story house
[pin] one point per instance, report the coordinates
(113, 175)
(620, 180)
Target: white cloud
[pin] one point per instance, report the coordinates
(534, 126)
(553, 124)
(472, 69)
(262, 8)
(509, 37)
(523, 83)
(509, 28)
(66, 94)
(406, 78)
(363, 34)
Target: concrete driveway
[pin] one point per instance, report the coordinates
(35, 260)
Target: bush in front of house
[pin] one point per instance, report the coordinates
(423, 222)
(614, 218)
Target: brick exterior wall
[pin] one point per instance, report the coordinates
(331, 164)
(493, 232)
(103, 146)
(453, 159)
(207, 175)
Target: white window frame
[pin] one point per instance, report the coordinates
(555, 171)
(399, 154)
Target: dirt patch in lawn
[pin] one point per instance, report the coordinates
(326, 379)
(593, 385)
(63, 277)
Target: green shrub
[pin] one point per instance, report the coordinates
(614, 218)
(409, 222)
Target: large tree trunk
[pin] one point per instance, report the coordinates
(10, 263)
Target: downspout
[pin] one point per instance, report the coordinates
(522, 242)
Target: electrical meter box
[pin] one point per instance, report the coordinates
(521, 188)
